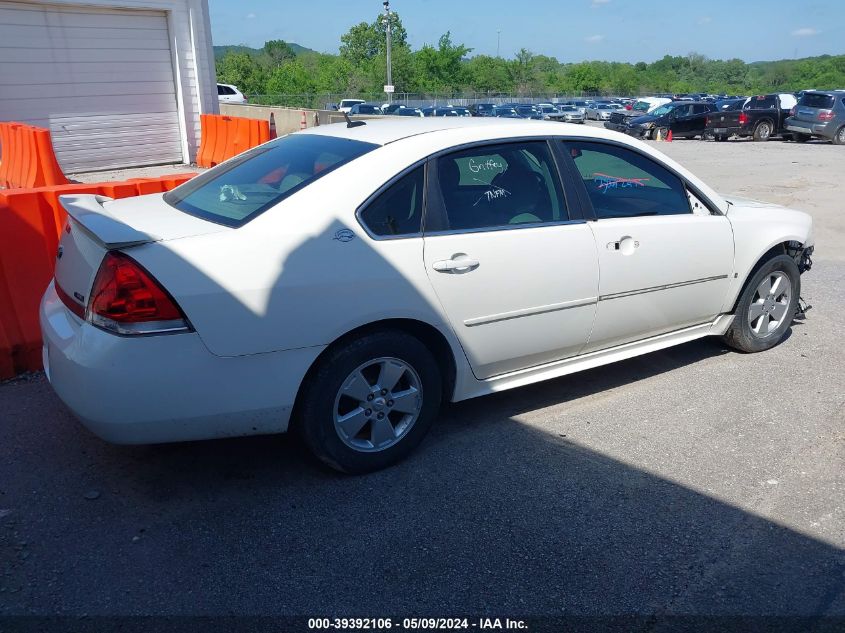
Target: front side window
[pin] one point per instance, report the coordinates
(397, 210)
(622, 183)
(499, 185)
(244, 187)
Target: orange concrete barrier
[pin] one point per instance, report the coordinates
(7, 366)
(6, 150)
(27, 158)
(226, 136)
(31, 222)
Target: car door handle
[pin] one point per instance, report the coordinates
(458, 264)
(625, 244)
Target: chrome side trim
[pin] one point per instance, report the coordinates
(504, 227)
(516, 314)
(629, 293)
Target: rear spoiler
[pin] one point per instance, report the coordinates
(87, 210)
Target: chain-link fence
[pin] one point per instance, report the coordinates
(325, 101)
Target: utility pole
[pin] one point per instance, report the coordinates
(389, 86)
(498, 41)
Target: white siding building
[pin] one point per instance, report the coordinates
(119, 83)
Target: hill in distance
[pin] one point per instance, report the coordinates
(219, 51)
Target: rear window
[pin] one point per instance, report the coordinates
(241, 189)
(762, 102)
(815, 100)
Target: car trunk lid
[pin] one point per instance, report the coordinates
(98, 224)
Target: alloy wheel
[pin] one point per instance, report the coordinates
(377, 404)
(770, 304)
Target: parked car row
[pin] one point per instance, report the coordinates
(819, 114)
(796, 116)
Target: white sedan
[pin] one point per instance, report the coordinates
(344, 280)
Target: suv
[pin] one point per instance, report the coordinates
(346, 104)
(819, 114)
(227, 93)
(682, 118)
(482, 109)
(618, 120)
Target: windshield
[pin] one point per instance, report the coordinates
(665, 109)
(244, 187)
(642, 106)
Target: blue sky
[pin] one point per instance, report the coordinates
(571, 30)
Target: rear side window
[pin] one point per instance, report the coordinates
(816, 100)
(499, 185)
(244, 187)
(623, 184)
(397, 210)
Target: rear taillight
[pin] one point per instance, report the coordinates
(127, 300)
(706, 121)
(629, 107)
(743, 118)
(826, 115)
(793, 111)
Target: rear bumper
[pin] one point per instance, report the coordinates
(170, 388)
(726, 131)
(825, 130)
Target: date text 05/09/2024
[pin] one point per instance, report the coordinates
(408, 624)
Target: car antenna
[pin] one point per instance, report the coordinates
(351, 123)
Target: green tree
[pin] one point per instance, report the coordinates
(441, 69)
(278, 52)
(365, 41)
(488, 74)
(243, 71)
(359, 44)
(293, 81)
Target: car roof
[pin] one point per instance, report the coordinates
(435, 134)
(382, 132)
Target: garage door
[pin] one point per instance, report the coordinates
(100, 79)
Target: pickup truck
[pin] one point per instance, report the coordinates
(760, 117)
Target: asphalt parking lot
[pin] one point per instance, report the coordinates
(690, 481)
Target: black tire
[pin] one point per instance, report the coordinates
(663, 132)
(721, 138)
(314, 417)
(740, 335)
(800, 138)
(763, 130)
(839, 137)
